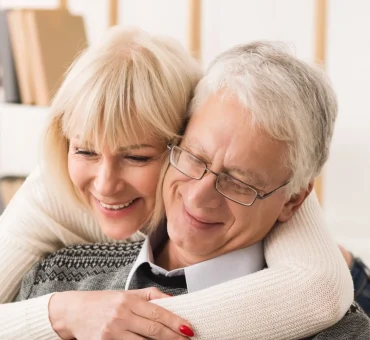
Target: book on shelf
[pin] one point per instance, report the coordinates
(9, 80)
(57, 38)
(43, 43)
(20, 46)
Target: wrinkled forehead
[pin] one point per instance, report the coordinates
(223, 132)
(220, 113)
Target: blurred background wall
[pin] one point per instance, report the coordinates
(346, 178)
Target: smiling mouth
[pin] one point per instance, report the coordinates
(199, 222)
(116, 207)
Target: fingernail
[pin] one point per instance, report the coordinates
(170, 295)
(186, 330)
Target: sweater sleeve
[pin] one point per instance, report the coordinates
(27, 234)
(27, 319)
(35, 223)
(306, 288)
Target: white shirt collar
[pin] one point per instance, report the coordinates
(208, 273)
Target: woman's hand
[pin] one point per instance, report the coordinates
(110, 315)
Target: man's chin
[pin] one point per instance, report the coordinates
(195, 249)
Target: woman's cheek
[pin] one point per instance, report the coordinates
(79, 172)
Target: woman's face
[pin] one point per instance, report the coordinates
(120, 186)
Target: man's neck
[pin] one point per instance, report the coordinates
(170, 257)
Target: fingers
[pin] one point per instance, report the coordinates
(129, 336)
(113, 315)
(148, 294)
(153, 330)
(161, 321)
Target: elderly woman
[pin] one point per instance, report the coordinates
(119, 106)
(236, 171)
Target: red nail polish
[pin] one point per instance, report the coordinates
(170, 295)
(186, 330)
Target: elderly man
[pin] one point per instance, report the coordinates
(260, 129)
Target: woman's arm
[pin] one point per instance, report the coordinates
(35, 223)
(26, 320)
(306, 288)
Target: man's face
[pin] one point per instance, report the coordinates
(201, 221)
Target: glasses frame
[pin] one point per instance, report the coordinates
(171, 147)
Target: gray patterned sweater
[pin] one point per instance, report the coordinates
(107, 266)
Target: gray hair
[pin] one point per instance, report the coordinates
(291, 100)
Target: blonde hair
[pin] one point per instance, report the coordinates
(129, 81)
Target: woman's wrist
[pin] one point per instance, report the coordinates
(58, 314)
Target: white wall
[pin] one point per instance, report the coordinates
(347, 180)
(228, 22)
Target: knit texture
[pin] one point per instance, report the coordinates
(95, 267)
(81, 267)
(107, 267)
(355, 325)
(306, 288)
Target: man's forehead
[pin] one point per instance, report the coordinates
(219, 109)
(232, 164)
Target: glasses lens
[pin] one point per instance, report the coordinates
(187, 163)
(235, 190)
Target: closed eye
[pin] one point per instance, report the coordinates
(85, 152)
(138, 159)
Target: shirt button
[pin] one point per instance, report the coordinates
(155, 271)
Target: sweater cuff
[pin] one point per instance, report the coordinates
(37, 319)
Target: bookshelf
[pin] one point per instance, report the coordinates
(320, 56)
(21, 126)
(21, 131)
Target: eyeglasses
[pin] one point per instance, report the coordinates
(229, 187)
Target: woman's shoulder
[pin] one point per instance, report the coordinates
(39, 207)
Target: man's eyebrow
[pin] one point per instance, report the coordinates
(249, 177)
(198, 151)
(193, 144)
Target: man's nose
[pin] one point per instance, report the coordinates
(202, 193)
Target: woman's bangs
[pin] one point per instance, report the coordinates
(106, 117)
(124, 100)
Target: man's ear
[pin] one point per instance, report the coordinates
(294, 203)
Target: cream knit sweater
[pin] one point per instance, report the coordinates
(306, 288)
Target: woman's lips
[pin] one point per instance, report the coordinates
(110, 213)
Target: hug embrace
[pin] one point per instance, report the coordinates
(172, 204)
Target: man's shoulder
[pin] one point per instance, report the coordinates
(355, 325)
(97, 250)
(75, 263)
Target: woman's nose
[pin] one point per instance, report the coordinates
(108, 180)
